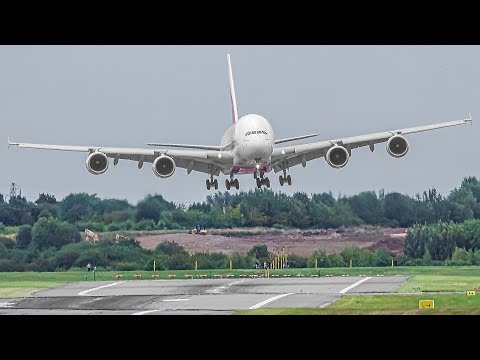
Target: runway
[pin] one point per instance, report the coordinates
(198, 296)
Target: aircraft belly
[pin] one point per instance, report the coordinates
(242, 170)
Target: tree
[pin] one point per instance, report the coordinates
(414, 244)
(399, 208)
(75, 207)
(367, 207)
(152, 207)
(53, 233)
(46, 199)
(24, 236)
(463, 204)
(259, 252)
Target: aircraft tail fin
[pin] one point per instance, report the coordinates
(232, 92)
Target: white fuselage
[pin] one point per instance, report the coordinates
(252, 140)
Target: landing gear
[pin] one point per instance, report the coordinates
(262, 180)
(285, 179)
(229, 183)
(212, 183)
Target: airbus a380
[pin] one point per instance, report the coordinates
(247, 147)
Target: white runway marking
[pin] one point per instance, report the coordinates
(145, 312)
(217, 290)
(265, 302)
(168, 300)
(6, 304)
(236, 282)
(353, 285)
(85, 292)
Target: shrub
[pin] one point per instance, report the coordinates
(9, 243)
(126, 266)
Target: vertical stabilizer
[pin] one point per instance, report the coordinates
(232, 92)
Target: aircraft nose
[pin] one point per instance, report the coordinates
(261, 150)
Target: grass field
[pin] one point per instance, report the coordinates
(423, 284)
(444, 304)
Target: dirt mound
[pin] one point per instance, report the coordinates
(302, 243)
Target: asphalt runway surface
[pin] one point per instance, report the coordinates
(196, 296)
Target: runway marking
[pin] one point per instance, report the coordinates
(217, 290)
(81, 293)
(6, 304)
(265, 302)
(353, 285)
(168, 300)
(145, 312)
(236, 282)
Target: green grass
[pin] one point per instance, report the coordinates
(439, 283)
(444, 304)
(10, 289)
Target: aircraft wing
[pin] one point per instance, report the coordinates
(199, 160)
(286, 157)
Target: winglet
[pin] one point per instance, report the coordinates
(11, 143)
(232, 91)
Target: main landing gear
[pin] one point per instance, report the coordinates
(212, 183)
(229, 183)
(285, 179)
(262, 180)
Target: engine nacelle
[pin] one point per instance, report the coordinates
(337, 157)
(397, 146)
(163, 166)
(97, 163)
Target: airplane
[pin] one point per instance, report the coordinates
(248, 146)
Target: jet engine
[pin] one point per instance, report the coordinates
(97, 163)
(164, 166)
(397, 146)
(337, 157)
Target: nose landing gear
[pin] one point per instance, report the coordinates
(262, 180)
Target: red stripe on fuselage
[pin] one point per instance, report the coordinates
(242, 170)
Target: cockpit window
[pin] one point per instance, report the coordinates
(256, 132)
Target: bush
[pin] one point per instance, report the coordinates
(126, 266)
(10, 265)
(24, 236)
(114, 227)
(296, 262)
(7, 242)
(149, 265)
(144, 225)
(3, 251)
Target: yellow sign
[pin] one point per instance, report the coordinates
(426, 304)
(471, 292)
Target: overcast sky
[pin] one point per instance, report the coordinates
(130, 95)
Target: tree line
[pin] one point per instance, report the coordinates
(44, 235)
(259, 207)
